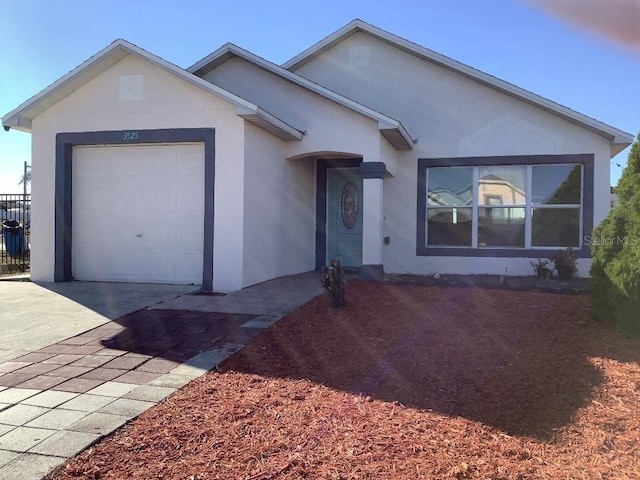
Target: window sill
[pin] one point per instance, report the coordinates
(583, 252)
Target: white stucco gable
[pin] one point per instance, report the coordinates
(358, 55)
(508, 135)
(209, 68)
(328, 126)
(21, 118)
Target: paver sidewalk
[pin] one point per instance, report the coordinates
(275, 297)
(60, 399)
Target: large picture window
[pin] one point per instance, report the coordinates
(524, 204)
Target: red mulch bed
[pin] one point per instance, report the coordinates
(404, 382)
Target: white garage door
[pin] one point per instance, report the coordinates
(138, 213)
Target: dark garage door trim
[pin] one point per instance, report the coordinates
(64, 194)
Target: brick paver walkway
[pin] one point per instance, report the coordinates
(57, 401)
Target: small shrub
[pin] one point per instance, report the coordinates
(540, 268)
(333, 283)
(565, 263)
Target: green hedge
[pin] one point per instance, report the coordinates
(615, 245)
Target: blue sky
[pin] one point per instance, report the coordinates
(511, 39)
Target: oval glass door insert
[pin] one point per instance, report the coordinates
(349, 205)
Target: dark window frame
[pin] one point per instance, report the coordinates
(422, 250)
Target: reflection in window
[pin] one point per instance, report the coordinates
(504, 203)
(501, 185)
(556, 184)
(449, 226)
(555, 227)
(553, 185)
(446, 188)
(501, 227)
(449, 186)
(493, 199)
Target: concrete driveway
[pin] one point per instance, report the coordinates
(33, 316)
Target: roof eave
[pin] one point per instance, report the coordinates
(16, 122)
(396, 135)
(323, 45)
(392, 129)
(211, 61)
(21, 117)
(618, 138)
(269, 122)
(620, 142)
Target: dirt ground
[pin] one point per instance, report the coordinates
(404, 382)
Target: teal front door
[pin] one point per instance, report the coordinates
(344, 216)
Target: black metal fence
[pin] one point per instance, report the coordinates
(15, 228)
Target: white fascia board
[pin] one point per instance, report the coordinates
(616, 136)
(20, 118)
(61, 87)
(16, 122)
(400, 138)
(218, 56)
(274, 125)
(230, 49)
(323, 45)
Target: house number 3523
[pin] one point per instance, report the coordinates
(130, 136)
